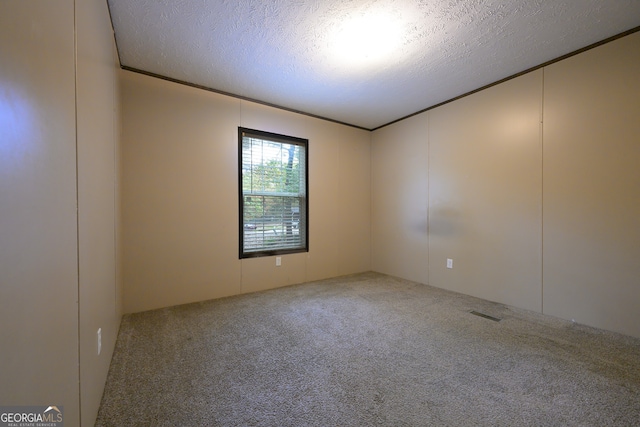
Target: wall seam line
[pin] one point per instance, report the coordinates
(427, 118)
(75, 100)
(542, 193)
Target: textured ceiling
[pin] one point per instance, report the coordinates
(295, 53)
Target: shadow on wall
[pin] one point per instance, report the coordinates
(420, 225)
(445, 222)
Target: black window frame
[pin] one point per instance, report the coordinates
(277, 138)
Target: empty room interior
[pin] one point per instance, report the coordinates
(488, 161)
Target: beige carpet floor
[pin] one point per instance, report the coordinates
(366, 350)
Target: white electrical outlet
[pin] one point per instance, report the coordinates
(99, 333)
(449, 263)
(278, 261)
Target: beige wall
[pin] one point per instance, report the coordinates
(399, 199)
(485, 193)
(532, 191)
(38, 255)
(57, 216)
(97, 136)
(180, 196)
(592, 187)
(176, 141)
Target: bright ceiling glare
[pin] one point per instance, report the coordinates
(365, 41)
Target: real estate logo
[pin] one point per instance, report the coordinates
(31, 416)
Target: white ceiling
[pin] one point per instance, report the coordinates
(291, 53)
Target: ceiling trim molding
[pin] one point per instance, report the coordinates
(113, 30)
(537, 67)
(233, 95)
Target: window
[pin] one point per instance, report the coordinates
(273, 193)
